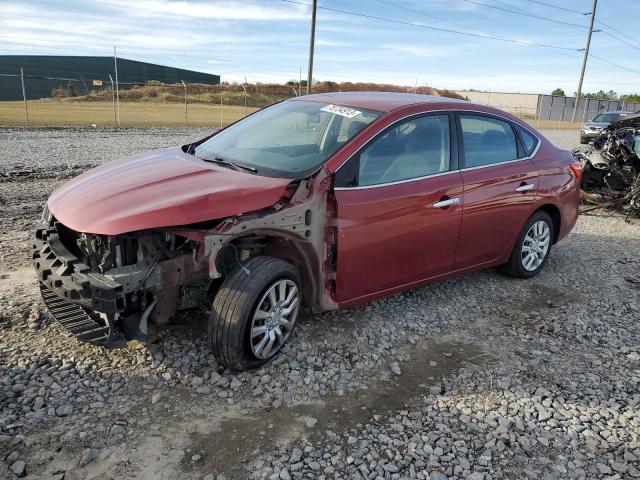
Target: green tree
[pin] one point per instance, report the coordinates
(631, 97)
(558, 92)
(601, 95)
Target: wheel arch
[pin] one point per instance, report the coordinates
(290, 249)
(554, 212)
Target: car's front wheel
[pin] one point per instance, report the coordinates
(254, 312)
(532, 247)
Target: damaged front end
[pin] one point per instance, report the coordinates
(611, 169)
(107, 289)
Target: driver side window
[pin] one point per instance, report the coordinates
(411, 149)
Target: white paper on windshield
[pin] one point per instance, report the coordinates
(342, 111)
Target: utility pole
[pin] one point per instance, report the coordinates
(24, 96)
(584, 62)
(113, 98)
(186, 115)
(312, 41)
(115, 64)
(245, 96)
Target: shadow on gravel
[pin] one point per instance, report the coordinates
(239, 439)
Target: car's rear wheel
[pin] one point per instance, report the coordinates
(532, 247)
(254, 312)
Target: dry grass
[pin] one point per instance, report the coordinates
(552, 124)
(57, 113)
(196, 94)
(74, 113)
(547, 124)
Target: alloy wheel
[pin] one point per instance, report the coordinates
(535, 245)
(274, 318)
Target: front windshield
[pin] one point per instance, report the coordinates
(290, 139)
(608, 117)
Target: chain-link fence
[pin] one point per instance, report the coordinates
(40, 101)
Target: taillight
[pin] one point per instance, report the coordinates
(576, 168)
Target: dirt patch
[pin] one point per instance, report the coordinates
(542, 297)
(226, 445)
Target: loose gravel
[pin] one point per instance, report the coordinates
(480, 377)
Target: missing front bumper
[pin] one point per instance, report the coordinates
(84, 302)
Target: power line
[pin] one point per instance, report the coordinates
(617, 31)
(559, 8)
(536, 16)
(615, 37)
(446, 30)
(621, 40)
(614, 64)
(526, 14)
(428, 15)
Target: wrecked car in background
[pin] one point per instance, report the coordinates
(317, 203)
(592, 129)
(611, 169)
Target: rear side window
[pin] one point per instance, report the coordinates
(487, 141)
(529, 142)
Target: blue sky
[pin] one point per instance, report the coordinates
(267, 40)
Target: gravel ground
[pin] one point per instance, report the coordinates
(480, 377)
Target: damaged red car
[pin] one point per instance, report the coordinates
(316, 203)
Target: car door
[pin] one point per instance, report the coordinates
(398, 208)
(500, 183)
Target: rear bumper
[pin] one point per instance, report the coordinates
(64, 275)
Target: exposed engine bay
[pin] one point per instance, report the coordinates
(108, 289)
(611, 168)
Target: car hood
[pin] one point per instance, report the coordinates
(161, 188)
(596, 124)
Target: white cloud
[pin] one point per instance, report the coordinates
(416, 50)
(331, 43)
(228, 10)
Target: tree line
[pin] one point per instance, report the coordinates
(602, 95)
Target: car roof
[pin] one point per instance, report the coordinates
(380, 101)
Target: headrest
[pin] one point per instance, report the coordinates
(425, 136)
(494, 138)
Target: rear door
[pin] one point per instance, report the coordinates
(398, 208)
(500, 183)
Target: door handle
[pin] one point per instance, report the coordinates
(446, 203)
(525, 187)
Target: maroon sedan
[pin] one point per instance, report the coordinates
(316, 203)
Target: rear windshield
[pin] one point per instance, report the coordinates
(288, 140)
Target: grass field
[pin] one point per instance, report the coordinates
(65, 113)
(56, 113)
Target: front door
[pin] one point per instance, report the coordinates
(499, 189)
(398, 209)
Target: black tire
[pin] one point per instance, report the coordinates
(514, 267)
(234, 305)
